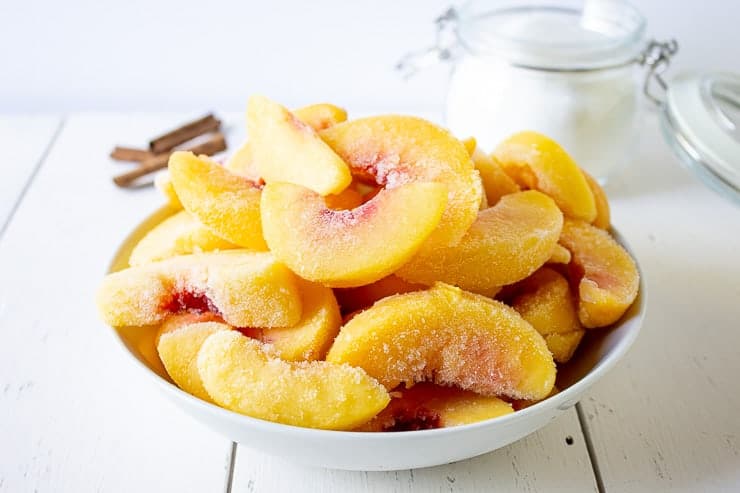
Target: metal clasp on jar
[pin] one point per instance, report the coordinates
(441, 51)
(657, 58)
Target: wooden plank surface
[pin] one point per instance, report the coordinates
(543, 461)
(668, 417)
(25, 140)
(75, 414)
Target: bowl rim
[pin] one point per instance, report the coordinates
(565, 396)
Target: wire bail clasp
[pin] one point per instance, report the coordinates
(441, 51)
(657, 58)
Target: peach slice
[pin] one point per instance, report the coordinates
(321, 116)
(248, 289)
(318, 116)
(450, 337)
(505, 244)
(603, 214)
(163, 183)
(227, 204)
(179, 234)
(349, 198)
(392, 151)
(239, 374)
(314, 333)
(287, 150)
(242, 163)
(537, 162)
(496, 183)
(361, 297)
(351, 247)
(427, 406)
(606, 275)
(547, 303)
(471, 144)
(560, 255)
(178, 348)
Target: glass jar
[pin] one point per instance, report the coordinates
(568, 72)
(573, 73)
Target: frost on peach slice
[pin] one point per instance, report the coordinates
(537, 162)
(428, 406)
(286, 149)
(247, 289)
(450, 337)
(496, 183)
(312, 336)
(547, 303)
(321, 116)
(560, 255)
(227, 204)
(350, 247)
(391, 151)
(178, 345)
(240, 375)
(179, 234)
(361, 297)
(603, 213)
(505, 244)
(605, 274)
(163, 183)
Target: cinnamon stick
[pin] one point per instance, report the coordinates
(121, 153)
(216, 143)
(188, 131)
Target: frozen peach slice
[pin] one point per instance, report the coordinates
(428, 406)
(286, 149)
(353, 299)
(163, 183)
(537, 162)
(227, 204)
(178, 349)
(321, 116)
(318, 116)
(248, 289)
(450, 337)
(242, 163)
(519, 404)
(603, 214)
(239, 374)
(496, 183)
(560, 255)
(547, 303)
(312, 336)
(350, 247)
(505, 244)
(179, 234)
(349, 198)
(392, 151)
(606, 275)
(470, 145)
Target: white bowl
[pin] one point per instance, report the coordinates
(598, 353)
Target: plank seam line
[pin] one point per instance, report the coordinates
(232, 462)
(31, 178)
(590, 448)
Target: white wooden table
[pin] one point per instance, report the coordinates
(75, 416)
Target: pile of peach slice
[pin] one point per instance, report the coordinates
(377, 274)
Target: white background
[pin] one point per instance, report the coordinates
(152, 55)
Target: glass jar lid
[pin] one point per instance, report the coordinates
(701, 121)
